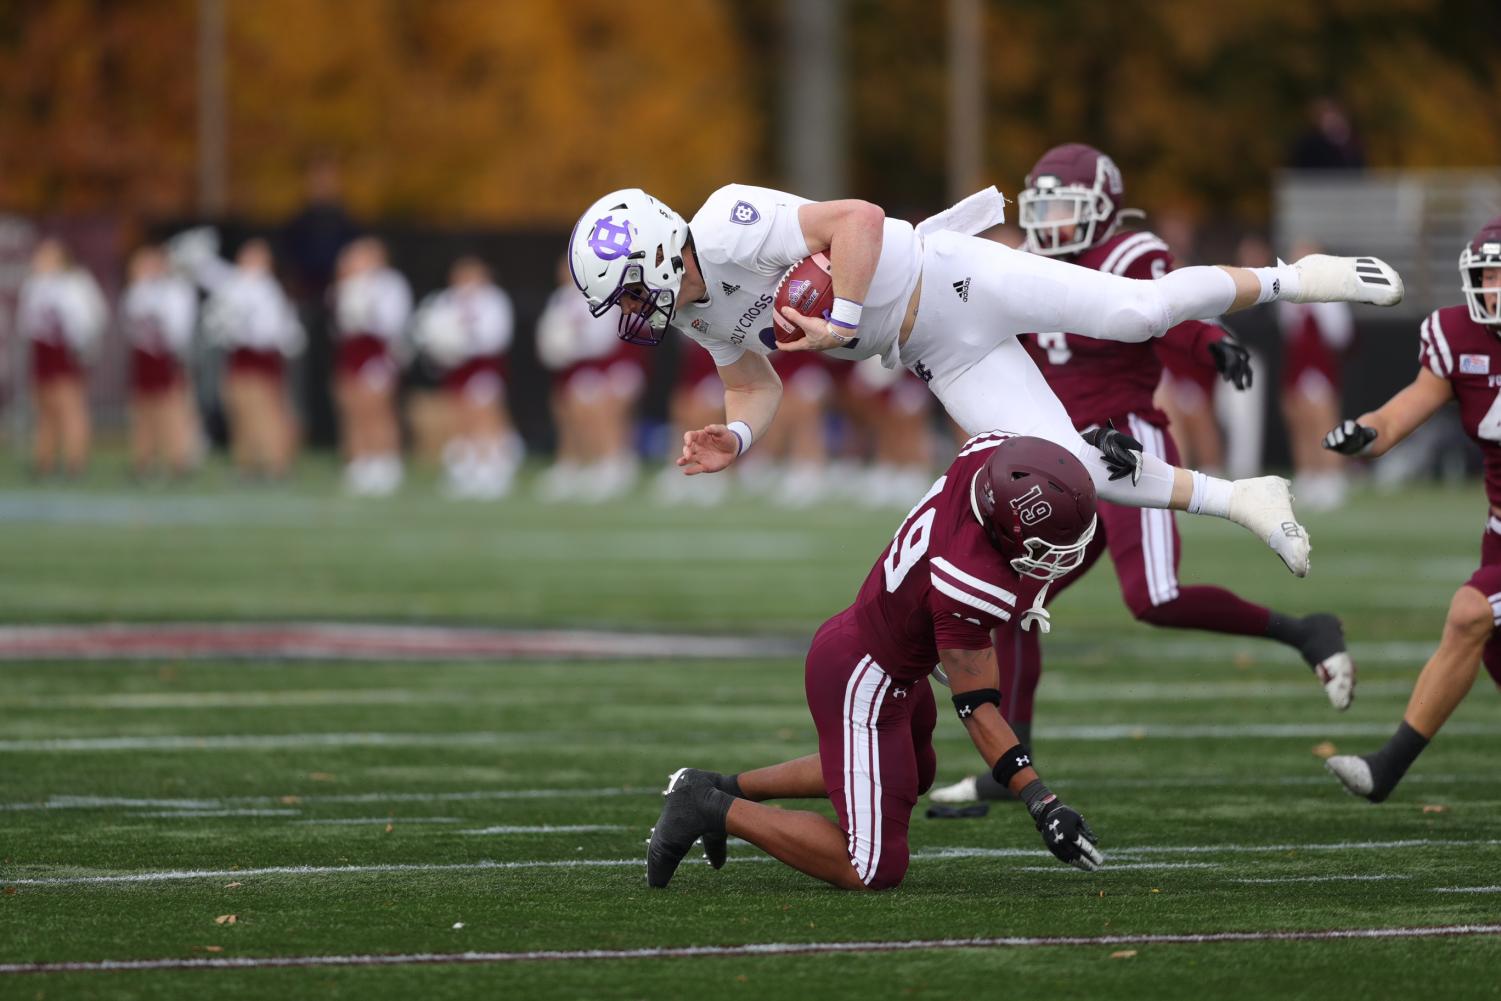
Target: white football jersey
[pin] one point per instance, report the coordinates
(746, 238)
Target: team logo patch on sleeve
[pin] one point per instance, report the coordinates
(744, 214)
(1475, 364)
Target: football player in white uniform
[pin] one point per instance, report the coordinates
(940, 301)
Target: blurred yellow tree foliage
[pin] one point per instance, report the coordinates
(517, 111)
(444, 110)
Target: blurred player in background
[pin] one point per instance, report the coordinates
(1010, 511)
(717, 278)
(1109, 382)
(597, 384)
(1315, 337)
(1459, 359)
(250, 317)
(61, 315)
(159, 313)
(372, 303)
(466, 329)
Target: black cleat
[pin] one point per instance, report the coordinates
(686, 817)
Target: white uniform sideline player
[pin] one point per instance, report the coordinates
(940, 301)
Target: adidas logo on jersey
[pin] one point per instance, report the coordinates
(962, 289)
(728, 288)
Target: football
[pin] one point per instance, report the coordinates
(808, 288)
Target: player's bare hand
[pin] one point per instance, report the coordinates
(708, 450)
(816, 334)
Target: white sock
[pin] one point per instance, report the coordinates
(1280, 282)
(1197, 293)
(1211, 496)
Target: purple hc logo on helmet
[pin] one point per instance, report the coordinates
(610, 239)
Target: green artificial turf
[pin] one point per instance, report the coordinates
(95, 779)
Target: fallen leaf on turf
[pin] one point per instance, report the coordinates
(208, 948)
(231, 886)
(458, 924)
(1138, 734)
(290, 800)
(1243, 660)
(321, 776)
(1102, 894)
(1123, 954)
(10, 891)
(1155, 890)
(390, 828)
(226, 919)
(1325, 749)
(1435, 808)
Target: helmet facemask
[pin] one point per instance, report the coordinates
(1474, 260)
(1045, 561)
(627, 250)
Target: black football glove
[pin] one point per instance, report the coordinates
(1068, 836)
(1232, 361)
(1349, 438)
(1121, 452)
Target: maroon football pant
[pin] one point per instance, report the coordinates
(1487, 580)
(1145, 547)
(875, 744)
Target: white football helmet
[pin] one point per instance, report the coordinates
(628, 248)
(1483, 252)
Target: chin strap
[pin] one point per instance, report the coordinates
(1037, 614)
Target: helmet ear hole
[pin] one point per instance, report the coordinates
(1017, 474)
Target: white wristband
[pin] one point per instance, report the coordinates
(742, 433)
(845, 313)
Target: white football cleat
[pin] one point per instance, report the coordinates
(1337, 674)
(1264, 506)
(1353, 772)
(963, 791)
(1322, 278)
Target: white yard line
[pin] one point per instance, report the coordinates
(1113, 866)
(1467, 889)
(543, 828)
(1124, 853)
(754, 949)
(296, 741)
(189, 814)
(354, 821)
(1375, 878)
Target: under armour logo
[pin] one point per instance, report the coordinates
(1053, 830)
(1023, 761)
(964, 711)
(744, 214)
(922, 372)
(728, 288)
(610, 239)
(899, 693)
(961, 288)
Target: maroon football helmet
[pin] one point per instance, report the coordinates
(1484, 251)
(1037, 503)
(1076, 186)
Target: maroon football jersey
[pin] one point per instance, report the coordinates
(1096, 379)
(940, 585)
(1468, 354)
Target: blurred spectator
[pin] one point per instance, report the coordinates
(250, 317)
(158, 313)
(315, 236)
(1315, 337)
(372, 303)
(597, 383)
(797, 439)
(465, 330)
(897, 407)
(1329, 142)
(61, 314)
(697, 400)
